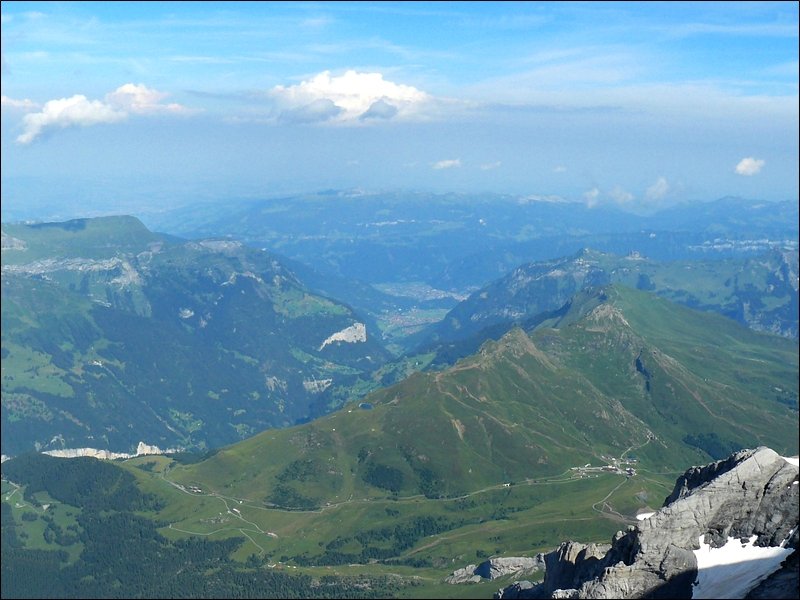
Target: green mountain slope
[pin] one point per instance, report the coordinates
(112, 335)
(621, 369)
(566, 430)
(760, 292)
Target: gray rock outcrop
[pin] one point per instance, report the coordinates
(497, 567)
(465, 575)
(752, 493)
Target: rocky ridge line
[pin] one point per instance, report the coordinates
(751, 493)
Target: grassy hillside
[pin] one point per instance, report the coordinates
(113, 335)
(565, 431)
(620, 369)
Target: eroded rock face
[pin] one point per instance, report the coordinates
(570, 564)
(465, 575)
(751, 493)
(520, 589)
(497, 567)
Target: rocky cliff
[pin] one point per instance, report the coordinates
(497, 567)
(690, 548)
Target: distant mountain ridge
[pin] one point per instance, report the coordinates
(112, 334)
(462, 241)
(760, 292)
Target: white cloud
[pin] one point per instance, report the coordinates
(559, 169)
(200, 59)
(447, 164)
(316, 22)
(317, 111)
(81, 112)
(26, 105)
(490, 166)
(358, 96)
(591, 197)
(380, 109)
(141, 99)
(750, 166)
(67, 112)
(658, 190)
(620, 196)
(549, 198)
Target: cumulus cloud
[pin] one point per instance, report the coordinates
(750, 166)
(26, 105)
(317, 111)
(140, 99)
(447, 164)
(358, 96)
(658, 190)
(591, 197)
(379, 110)
(79, 111)
(67, 112)
(620, 196)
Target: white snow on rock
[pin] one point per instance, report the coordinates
(644, 515)
(357, 332)
(734, 569)
(792, 460)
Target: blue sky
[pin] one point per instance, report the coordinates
(636, 104)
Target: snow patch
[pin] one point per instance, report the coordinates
(357, 332)
(792, 460)
(734, 569)
(644, 515)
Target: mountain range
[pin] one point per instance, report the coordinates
(460, 242)
(620, 369)
(112, 334)
(760, 292)
(563, 400)
(561, 431)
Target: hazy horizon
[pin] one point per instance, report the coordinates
(637, 105)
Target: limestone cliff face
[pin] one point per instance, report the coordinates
(141, 450)
(751, 493)
(497, 567)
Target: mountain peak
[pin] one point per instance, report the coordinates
(588, 252)
(607, 313)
